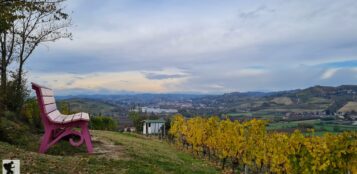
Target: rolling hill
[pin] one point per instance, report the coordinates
(314, 99)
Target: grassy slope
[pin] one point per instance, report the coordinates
(118, 153)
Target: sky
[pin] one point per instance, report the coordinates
(200, 46)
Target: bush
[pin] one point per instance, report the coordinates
(103, 123)
(14, 132)
(336, 129)
(305, 126)
(138, 117)
(31, 114)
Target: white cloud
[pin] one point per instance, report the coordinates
(329, 73)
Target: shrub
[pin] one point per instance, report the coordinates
(14, 132)
(103, 123)
(31, 114)
(305, 126)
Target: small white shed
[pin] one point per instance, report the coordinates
(154, 127)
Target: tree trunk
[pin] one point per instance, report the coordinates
(235, 164)
(19, 78)
(3, 85)
(224, 162)
(19, 88)
(209, 154)
(246, 169)
(3, 73)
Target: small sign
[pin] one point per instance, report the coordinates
(10, 166)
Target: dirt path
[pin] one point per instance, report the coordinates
(106, 148)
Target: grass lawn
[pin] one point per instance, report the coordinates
(114, 153)
(320, 127)
(290, 124)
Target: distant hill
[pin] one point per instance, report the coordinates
(97, 107)
(283, 101)
(312, 99)
(317, 98)
(94, 107)
(136, 98)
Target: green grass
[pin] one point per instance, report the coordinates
(319, 126)
(240, 114)
(122, 153)
(290, 124)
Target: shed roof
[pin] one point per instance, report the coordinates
(154, 121)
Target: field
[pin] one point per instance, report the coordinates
(349, 107)
(114, 153)
(318, 125)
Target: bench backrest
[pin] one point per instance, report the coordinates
(46, 101)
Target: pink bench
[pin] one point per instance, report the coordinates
(58, 125)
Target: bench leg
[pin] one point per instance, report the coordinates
(45, 141)
(87, 138)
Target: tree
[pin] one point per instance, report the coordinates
(8, 15)
(46, 23)
(28, 24)
(65, 108)
(137, 118)
(103, 123)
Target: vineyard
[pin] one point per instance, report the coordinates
(248, 147)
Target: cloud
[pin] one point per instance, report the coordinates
(167, 73)
(109, 82)
(209, 46)
(329, 73)
(154, 76)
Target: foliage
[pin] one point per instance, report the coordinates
(14, 97)
(24, 25)
(249, 146)
(31, 114)
(103, 123)
(64, 108)
(14, 131)
(138, 117)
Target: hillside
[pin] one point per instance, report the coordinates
(92, 106)
(313, 99)
(282, 101)
(114, 153)
(349, 107)
(97, 107)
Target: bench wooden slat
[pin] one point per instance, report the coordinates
(59, 119)
(77, 116)
(53, 115)
(85, 116)
(47, 92)
(48, 100)
(67, 118)
(50, 108)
